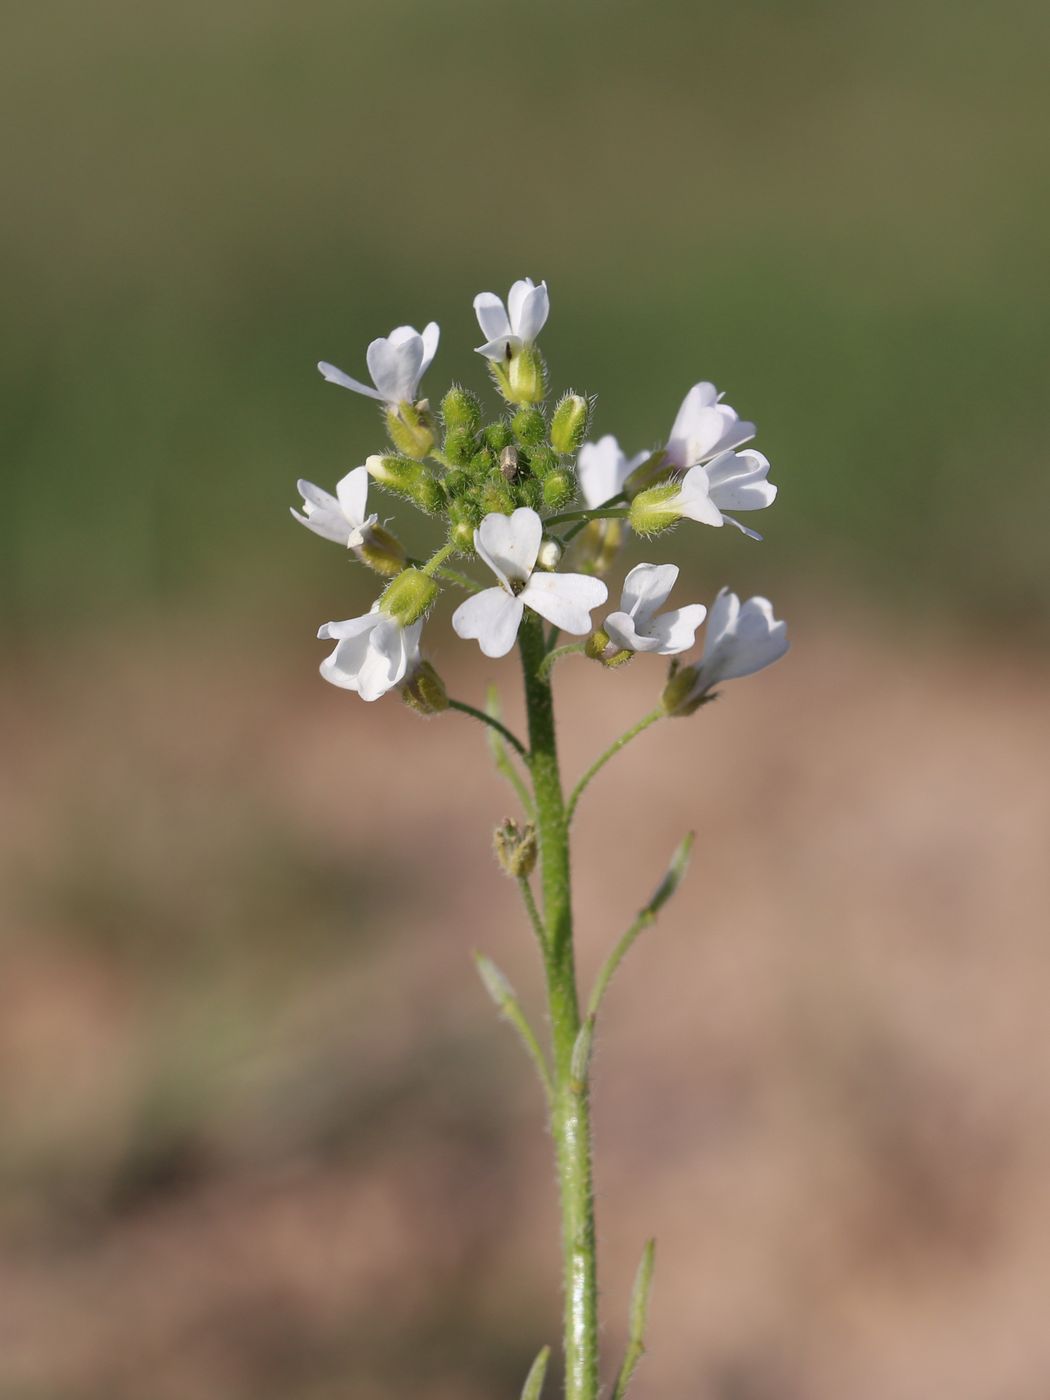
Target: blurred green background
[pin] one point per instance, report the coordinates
(259, 1133)
(838, 212)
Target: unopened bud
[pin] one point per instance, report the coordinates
(526, 376)
(542, 461)
(497, 497)
(425, 691)
(498, 436)
(529, 426)
(655, 510)
(411, 428)
(558, 489)
(381, 551)
(549, 556)
(407, 597)
(461, 410)
(515, 848)
(407, 478)
(569, 424)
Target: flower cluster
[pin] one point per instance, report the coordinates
(506, 490)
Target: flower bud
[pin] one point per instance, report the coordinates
(497, 496)
(425, 691)
(461, 410)
(529, 427)
(526, 376)
(515, 848)
(498, 436)
(558, 489)
(381, 551)
(411, 428)
(457, 482)
(407, 478)
(464, 516)
(543, 461)
(569, 424)
(407, 597)
(654, 510)
(549, 556)
(458, 447)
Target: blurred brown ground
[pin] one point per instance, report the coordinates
(263, 1135)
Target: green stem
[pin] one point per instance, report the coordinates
(534, 914)
(570, 1116)
(493, 723)
(611, 752)
(602, 513)
(436, 560)
(461, 580)
(547, 664)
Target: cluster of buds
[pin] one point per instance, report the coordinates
(504, 489)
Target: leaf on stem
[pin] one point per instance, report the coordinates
(537, 1373)
(637, 1317)
(675, 874)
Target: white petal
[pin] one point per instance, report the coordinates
(646, 588)
(516, 300)
(724, 612)
(329, 524)
(565, 599)
(694, 499)
(395, 363)
(492, 316)
(755, 640)
(625, 635)
(602, 468)
(387, 660)
(509, 544)
(315, 498)
(341, 666)
(351, 627)
(490, 618)
(498, 349)
(336, 376)
(431, 336)
(352, 491)
(744, 529)
(738, 481)
(675, 631)
(704, 427)
(532, 313)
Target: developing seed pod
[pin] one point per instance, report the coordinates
(515, 848)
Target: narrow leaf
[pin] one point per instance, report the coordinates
(675, 874)
(537, 1374)
(639, 1311)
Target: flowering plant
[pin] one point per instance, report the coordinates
(503, 492)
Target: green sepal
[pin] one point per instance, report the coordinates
(529, 427)
(407, 597)
(558, 489)
(461, 410)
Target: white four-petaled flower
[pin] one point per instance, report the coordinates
(340, 517)
(602, 467)
(732, 481)
(705, 426)
(508, 328)
(637, 628)
(396, 363)
(373, 653)
(741, 638)
(509, 545)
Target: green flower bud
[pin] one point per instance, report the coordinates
(529, 426)
(464, 516)
(530, 493)
(558, 489)
(569, 424)
(543, 461)
(482, 463)
(461, 410)
(458, 447)
(527, 376)
(515, 848)
(411, 428)
(457, 482)
(407, 597)
(381, 551)
(498, 436)
(408, 478)
(462, 536)
(497, 494)
(653, 511)
(425, 691)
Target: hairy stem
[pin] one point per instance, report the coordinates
(570, 1116)
(611, 752)
(492, 722)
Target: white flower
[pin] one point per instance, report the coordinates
(740, 639)
(602, 467)
(373, 654)
(733, 481)
(396, 365)
(340, 517)
(515, 325)
(509, 545)
(635, 627)
(705, 427)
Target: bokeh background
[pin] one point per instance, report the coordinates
(261, 1134)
